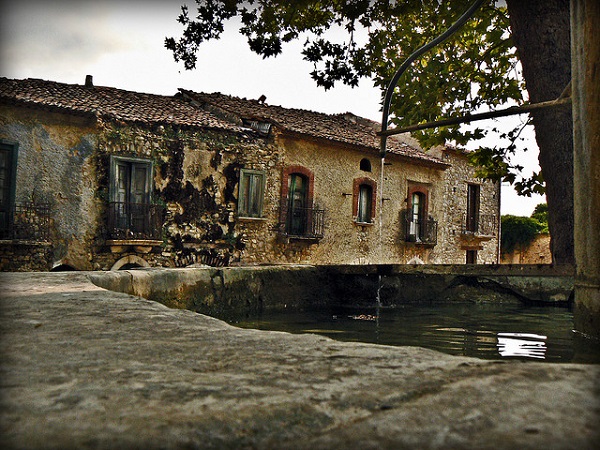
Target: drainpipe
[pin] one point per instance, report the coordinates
(441, 38)
(499, 255)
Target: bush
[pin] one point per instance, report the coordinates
(540, 213)
(518, 232)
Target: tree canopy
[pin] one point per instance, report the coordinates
(475, 68)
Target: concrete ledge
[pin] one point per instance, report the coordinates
(85, 368)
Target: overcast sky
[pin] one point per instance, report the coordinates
(121, 43)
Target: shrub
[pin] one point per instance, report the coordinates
(540, 213)
(518, 232)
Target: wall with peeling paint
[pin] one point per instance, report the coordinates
(64, 160)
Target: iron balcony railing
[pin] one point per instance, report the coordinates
(421, 231)
(26, 221)
(480, 225)
(303, 223)
(139, 221)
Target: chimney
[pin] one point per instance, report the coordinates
(89, 81)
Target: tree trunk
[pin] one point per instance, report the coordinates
(541, 34)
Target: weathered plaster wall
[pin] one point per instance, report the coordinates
(65, 160)
(196, 177)
(56, 166)
(346, 242)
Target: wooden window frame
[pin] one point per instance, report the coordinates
(246, 175)
(115, 160)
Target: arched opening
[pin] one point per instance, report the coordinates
(297, 203)
(364, 204)
(130, 262)
(365, 199)
(365, 165)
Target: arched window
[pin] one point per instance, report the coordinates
(297, 204)
(365, 165)
(298, 215)
(364, 200)
(421, 228)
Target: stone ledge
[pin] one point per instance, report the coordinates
(90, 369)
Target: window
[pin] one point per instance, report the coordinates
(417, 217)
(365, 165)
(300, 219)
(364, 200)
(261, 127)
(472, 223)
(421, 228)
(297, 204)
(8, 166)
(130, 192)
(251, 193)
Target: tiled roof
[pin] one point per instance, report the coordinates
(108, 103)
(344, 128)
(195, 109)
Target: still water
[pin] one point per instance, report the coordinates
(489, 331)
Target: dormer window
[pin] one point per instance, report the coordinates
(261, 127)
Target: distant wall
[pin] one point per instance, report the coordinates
(538, 252)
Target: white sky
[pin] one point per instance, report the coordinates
(121, 43)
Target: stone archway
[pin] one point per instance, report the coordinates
(130, 261)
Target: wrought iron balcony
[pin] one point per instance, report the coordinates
(26, 221)
(421, 231)
(485, 225)
(303, 223)
(134, 221)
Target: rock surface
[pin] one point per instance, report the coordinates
(86, 368)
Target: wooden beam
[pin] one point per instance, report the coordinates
(513, 110)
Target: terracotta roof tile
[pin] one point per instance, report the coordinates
(109, 103)
(195, 109)
(344, 128)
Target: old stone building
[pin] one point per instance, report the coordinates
(101, 178)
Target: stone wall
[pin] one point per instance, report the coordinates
(55, 166)
(347, 242)
(243, 292)
(196, 178)
(537, 252)
(455, 243)
(24, 256)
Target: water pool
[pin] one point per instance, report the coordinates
(489, 331)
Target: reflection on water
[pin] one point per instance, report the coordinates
(490, 331)
(522, 344)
